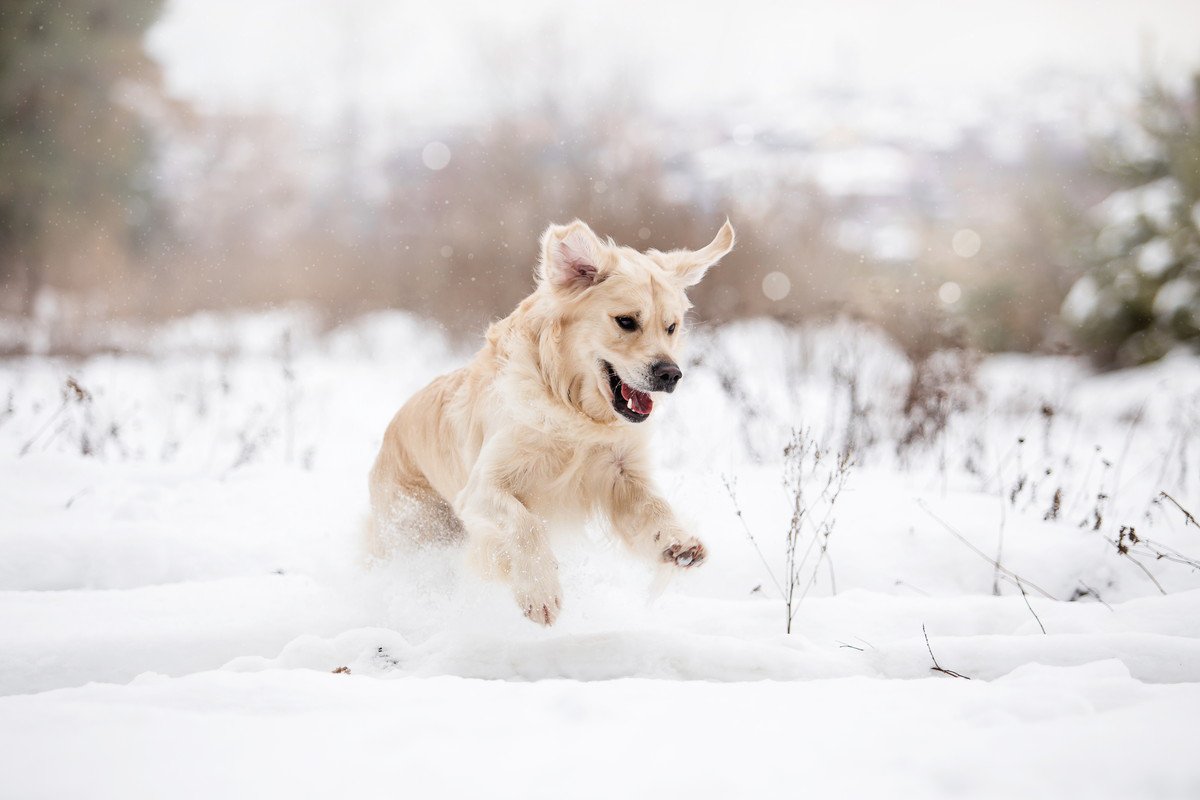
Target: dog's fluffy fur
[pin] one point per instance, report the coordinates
(541, 426)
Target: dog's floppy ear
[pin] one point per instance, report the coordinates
(570, 257)
(691, 268)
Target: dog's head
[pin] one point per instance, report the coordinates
(619, 316)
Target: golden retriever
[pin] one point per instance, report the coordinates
(546, 423)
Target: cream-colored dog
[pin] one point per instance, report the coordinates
(545, 423)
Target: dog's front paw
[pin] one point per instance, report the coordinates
(540, 604)
(687, 553)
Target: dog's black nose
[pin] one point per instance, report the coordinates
(666, 375)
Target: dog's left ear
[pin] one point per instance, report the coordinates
(570, 257)
(692, 267)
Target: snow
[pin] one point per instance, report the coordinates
(1156, 202)
(868, 170)
(174, 601)
(312, 734)
(1081, 301)
(1159, 201)
(1155, 257)
(1174, 296)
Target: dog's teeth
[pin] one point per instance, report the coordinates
(629, 403)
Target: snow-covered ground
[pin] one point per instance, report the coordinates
(180, 577)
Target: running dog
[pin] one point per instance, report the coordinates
(547, 423)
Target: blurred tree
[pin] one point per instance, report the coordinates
(70, 148)
(1142, 293)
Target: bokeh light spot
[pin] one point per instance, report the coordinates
(966, 243)
(776, 285)
(743, 134)
(436, 155)
(949, 293)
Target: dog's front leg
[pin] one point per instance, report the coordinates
(646, 523)
(508, 542)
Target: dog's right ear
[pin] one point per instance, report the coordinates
(570, 256)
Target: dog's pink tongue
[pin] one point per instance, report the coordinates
(640, 401)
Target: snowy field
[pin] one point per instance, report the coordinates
(185, 610)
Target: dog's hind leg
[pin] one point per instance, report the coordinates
(406, 510)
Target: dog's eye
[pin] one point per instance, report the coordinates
(671, 329)
(626, 323)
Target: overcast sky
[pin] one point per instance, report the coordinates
(441, 61)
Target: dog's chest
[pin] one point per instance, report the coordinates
(576, 476)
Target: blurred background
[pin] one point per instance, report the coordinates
(1010, 176)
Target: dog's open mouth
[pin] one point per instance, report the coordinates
(630, 403)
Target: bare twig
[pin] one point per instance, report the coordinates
(1127, 539)
(1187, 515)
(71, 500)
(71, 392)
(287, 360)
(9, 409)
(1149, 574)
(1000, 541)
(41, 430)
(1134, 422)
(1029, 605)
(1088, 590)
(805, 464)
(916, 589)
(984, 555)
(737, 509)
(803, 460)
(936, 666)
(1164, 552)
